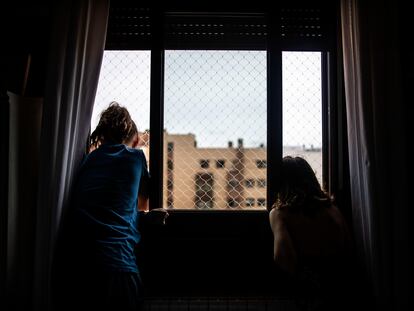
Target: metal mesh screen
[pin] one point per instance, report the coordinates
(125, 78)
(302, 107)
(215, 119)
(215, 129)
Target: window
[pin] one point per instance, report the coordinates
(170, 164)
(204, 163)
(204, 196)
(224, 93)
(170, 184)
(170, 175)
(125, 78)
(233, 183)
(302, 100)
(261, 183)
(214, 96)
(249, 183)
(250, 202)
(261, 163)
(220, 163)
(261, 202)
(231, 203)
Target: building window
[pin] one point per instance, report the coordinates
(261, 202)
(170, 165)
(204, 191)
(261, 183)
(249, 183)
(233, 183)
(261, 163)
(220, 163)
(170, 147)
(231, 203)
(204, 163)
(249, 202)
(170, 184)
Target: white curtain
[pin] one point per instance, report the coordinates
(377, 141)
(76, 52)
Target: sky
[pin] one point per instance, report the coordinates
(219, 96)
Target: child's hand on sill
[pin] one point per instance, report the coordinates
(156, 216)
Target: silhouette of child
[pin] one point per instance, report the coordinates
(311, 238)
(111, 187)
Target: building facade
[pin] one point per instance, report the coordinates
(217, 178)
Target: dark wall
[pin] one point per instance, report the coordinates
(210, 253)
(24, 29)
(404, 241)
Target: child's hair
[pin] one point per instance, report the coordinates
(300, 189)
(115, 126)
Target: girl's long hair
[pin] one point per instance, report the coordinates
(300, 189)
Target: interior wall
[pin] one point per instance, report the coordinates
(24, 29)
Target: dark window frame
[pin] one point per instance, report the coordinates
(281, 35)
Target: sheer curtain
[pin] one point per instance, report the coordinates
(77, 45)
(377, 141)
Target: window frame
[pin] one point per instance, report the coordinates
(275, 45)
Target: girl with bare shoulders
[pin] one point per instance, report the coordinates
(311, 239)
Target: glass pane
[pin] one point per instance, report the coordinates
(215, 129)
(302, 107)
(125, 78)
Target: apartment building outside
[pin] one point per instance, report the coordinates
(218, 178)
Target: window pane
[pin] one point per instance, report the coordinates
(302, 107)
(215, 115)
(125, 78)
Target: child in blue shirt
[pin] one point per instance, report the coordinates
(111, 186)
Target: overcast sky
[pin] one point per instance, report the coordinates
(217, 95)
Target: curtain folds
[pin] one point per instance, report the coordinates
(377, 141)
(77, 46)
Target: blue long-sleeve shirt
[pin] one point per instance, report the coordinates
(105, 206)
